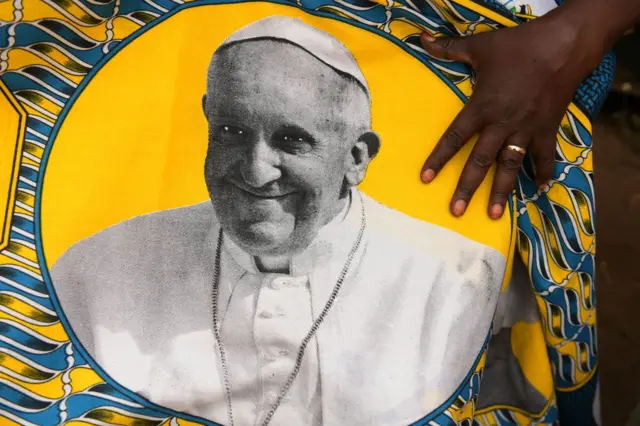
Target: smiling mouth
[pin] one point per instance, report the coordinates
(262, 196)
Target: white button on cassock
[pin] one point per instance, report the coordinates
(278, 314)
(285, 318)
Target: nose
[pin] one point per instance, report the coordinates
(261, 165)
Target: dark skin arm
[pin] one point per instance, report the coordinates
(526, 77)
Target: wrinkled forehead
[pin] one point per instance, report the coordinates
(282, 74)
(268, 54)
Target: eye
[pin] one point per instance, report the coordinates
(231, 130)
(230, 134)
(293, 140)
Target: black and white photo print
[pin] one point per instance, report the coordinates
(290, 297)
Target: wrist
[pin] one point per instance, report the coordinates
(596, 26)
(568, 41)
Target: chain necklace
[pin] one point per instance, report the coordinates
(305, 341)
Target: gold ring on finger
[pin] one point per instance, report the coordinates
(517, 149)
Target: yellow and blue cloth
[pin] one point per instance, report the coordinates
(50, 52)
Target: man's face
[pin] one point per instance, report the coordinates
(281, 138)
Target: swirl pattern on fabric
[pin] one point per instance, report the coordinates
(45, 54)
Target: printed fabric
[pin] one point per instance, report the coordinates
(138, 287)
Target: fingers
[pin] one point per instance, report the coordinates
(449, 48)
(482, 157)
(509, 163)
(544, 159)
(464, 126)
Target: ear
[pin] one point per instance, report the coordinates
(204, 105)
(364, 150)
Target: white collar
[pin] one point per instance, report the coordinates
(332, 243)
(321, 262)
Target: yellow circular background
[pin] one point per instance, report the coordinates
(134, 142)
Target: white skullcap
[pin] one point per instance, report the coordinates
(319, 44)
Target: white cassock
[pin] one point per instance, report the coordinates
(409, 322)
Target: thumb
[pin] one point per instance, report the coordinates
(449, 48)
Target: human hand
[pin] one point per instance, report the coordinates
(525, 78)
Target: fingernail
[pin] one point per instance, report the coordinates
(428, 37)
(496, 211)
(459, 208)
(544, 187)
(428, 175)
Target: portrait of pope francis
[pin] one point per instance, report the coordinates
(290, 297)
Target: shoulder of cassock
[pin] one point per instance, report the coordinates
(139, 243)
(400, 235)
(139, 246)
